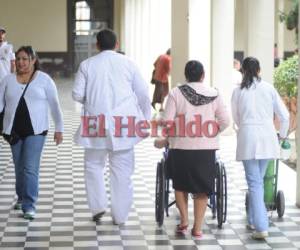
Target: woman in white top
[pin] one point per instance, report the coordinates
(26, 96)
(253, 105)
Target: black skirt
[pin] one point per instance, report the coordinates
(192, 171)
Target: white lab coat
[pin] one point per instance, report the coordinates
(253, 112)
(236, 78)
(110, 84)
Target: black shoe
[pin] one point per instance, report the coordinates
(98, 216)
(153, 105)
(18, 205)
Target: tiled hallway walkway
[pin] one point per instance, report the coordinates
(63, 220)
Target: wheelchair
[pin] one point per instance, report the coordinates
(217, 201)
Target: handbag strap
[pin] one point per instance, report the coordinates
(29, 81)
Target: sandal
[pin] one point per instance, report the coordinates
(180, 229)
(196, 235)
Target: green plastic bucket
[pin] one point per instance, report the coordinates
(269, 185)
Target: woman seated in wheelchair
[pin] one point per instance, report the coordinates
(194, 116)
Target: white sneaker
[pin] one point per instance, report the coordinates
(260, 235)
(118, 223)
(29, 215)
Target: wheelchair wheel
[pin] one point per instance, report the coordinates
(160, 193)
(212, 205)
(167, 194)
(280, 203)
(221, 194)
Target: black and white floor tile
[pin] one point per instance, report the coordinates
(63, 220)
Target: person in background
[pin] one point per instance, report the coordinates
(236, 73)
(191, 159)
(26, 119)
(275, 51)
(162, 68)
(111, 85)
(296, 51)
(276, 57)
(253, 106)
(7, 56)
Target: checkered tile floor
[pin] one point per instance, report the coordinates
(63, 220)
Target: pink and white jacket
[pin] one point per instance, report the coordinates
(195, 124)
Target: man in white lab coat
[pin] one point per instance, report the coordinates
(7, 63)
(7, 55)
(111, 89)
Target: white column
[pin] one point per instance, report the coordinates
(223, 46)
(191, 36)
(280, 29)
(260, 42)
(240, 30)
(180, 39)
(146, 31)
(298, 133)
(119, 22)
(200, 34)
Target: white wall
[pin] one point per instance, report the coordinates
(40, 23)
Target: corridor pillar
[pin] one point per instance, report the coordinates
(223, 47)
(179, 39)
(119, 21)
(260, 38)
(191, 36)
(145, 31)
(280, 29)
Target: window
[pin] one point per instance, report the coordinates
(83, 15)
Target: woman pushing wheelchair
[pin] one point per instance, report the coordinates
(194, 116)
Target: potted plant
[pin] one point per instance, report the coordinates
(291, 18)
(285, 81)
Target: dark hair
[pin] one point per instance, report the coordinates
(193, 71)
(168, 52)
(107, 39)
(250, 69)
(121, 52)
(32, 54)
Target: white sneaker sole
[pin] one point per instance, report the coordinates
(259, 235)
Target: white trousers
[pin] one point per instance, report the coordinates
(121, 166)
